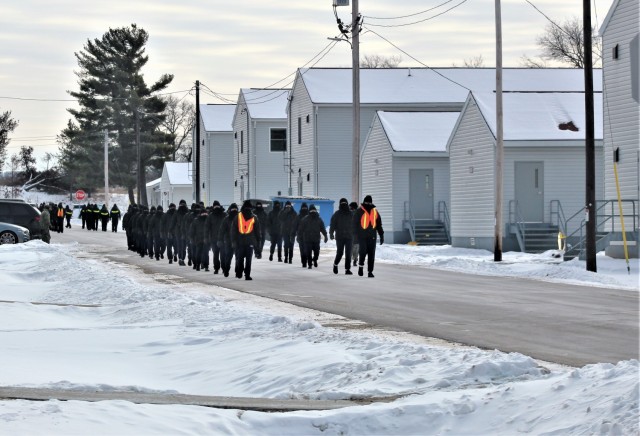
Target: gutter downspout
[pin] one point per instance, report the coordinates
(316, 164)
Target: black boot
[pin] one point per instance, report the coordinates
(360, 271)
(335, 269)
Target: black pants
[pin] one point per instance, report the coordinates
(288, 246)
(217, 252)
(226, 257)
(68, 218)
(343, 246)
(276, 241)
(182, 247)
(368, 249)
(244, 254)
(303, 253)
(158, 246)
(170, 250)
(104, 224)
(114, 225)
(312, 250)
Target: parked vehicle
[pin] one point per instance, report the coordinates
(21, 213)
(12, 234)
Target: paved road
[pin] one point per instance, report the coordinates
(567, 324)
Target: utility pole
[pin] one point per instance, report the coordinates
(497, 247)
(196, 149)
(590, 172)
(355, 70)
(106, 167)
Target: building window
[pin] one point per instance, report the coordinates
(299, 130)
(278, 140)
(241, 141)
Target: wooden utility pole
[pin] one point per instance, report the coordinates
(590, 172)
(355, 69)
(497, 246)
(106, 167)
(196, 148)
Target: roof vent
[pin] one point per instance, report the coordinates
(568, 126)
(409, 74)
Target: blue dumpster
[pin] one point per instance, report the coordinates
(324, 205)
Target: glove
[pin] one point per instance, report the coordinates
(326, 239)
(331, 235)
(381, 239)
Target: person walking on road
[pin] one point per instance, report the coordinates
(104, 217)
(83, 215)
(67, 216)
(312, 227)
(275, 230)
(297, 234)
(224, 239)
(245, 235)
(287, 217)
(341, 228)
(367, 225)
(263, 221)
(212, 229)
(115, 217)
(355, 247)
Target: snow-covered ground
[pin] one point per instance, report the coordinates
(109, 327)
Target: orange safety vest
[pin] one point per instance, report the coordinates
(60, 213)
(245, 227)
(369, 218)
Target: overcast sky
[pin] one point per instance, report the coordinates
(234, 44)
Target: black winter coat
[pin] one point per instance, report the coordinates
(212, 226)
(274, 221)
(224, 235)
(341, 223)
(369, 232)
(155, 227)
(312, 227)
(175, 225)
(287, 217)
(296, 228)
(253, 238)
(197, 229)
(264, 222)
(165, 223)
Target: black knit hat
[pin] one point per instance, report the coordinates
(287, 203)
(312, 207)
(258, 204)
(353, 205)
(233, 206)
(368, 199)
(343, 201)
(159, 209)
(247, 205)
(172, 205)
(183, 202)
(304, 206)
(216, 203)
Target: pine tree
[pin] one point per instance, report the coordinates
(113, 95)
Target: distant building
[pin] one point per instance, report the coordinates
(176, 184)
(153, 192)
(216, 153)
(260, 153)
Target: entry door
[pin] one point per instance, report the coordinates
(421, 193)
(529, 179)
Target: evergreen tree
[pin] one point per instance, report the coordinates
(7, 125)
(113, 95)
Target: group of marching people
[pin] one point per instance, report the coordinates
(92, 215)
(57, 215)
(189, 235)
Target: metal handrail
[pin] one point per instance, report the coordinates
(443, 216)
(515, 218)
(408, 217)
(560, 220)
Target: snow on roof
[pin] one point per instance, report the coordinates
(154, 182)
(541, 116)
(217, 117)
(439, 85)
(266, 103)
(178, 172)
(418, 131)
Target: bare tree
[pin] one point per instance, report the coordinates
(378, 61)
(529, 62)
(472, 62)
(48, 157)
(180, 118)
(564, 43)
(7, 125)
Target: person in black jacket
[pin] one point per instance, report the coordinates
(83, 215)
(176, 227)
(275, 231)
(366, 223)
(185, 227)
(96, 216)
(341, 228)
(287, 216)
(148, 231)
(141, 239)
(212, 229)
(104, 217)
(67, 215)
(224, 239)
(126, 224)
(115, 217)
(263, 219)
(155, 230)
(312, 227)
(197, 239)
(245, 236)
(297, 233)
(167, 231)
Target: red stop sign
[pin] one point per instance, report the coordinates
(80, 194)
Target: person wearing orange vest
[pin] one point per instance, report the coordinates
(367, 224)
(245, 237)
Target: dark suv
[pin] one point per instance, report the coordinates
(21, 213)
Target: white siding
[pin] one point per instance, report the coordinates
(219, 185)
(303, 162)
(472, 155)
(240, 161)
(377, 177)
(335, 151)
(270, 174)
(621, 110)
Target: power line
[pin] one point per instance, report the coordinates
(407, 16)
(420, 21)
(417, 60)
(76, 100)
(548, 19)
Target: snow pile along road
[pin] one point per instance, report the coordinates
(105, 327)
